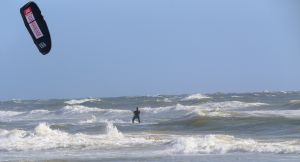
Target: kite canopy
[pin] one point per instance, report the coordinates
(37, 27)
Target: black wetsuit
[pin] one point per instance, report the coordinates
(136, 116)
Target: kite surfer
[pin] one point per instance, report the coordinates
(136, 114)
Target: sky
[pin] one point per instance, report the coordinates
(106, 48)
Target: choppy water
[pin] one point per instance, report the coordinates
(213, 127)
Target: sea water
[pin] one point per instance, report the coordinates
(262, 126)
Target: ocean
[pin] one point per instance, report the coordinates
(260, 126)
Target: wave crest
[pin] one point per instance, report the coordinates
(79, 109)
(9, 113)
(81, 101)
(221, 144)
(294, 102)
(197, 96)
(213, 109)
(43, 138)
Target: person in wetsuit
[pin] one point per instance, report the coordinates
(136, 115)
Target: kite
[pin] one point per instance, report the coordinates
(36, 26)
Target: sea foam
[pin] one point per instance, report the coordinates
(84, 109)
(221, 144)
(9, 113)
(44, 138)
(197, 96)
(221, 109)
(89, 121)
(80, 109)
(81, 101)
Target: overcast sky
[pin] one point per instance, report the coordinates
(107, 48)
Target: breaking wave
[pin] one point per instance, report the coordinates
(197, 96)
(84, 109)
(167, 100)
(229, 105)
(39, 111)
(9, 113)
(293, 114)
(80, 109)
(214, 109)
(89, 121)
(87, 115)
(235, 96)
(221, 144)
(81, 101)
(211, 109)
(45, 138)
(294, 102)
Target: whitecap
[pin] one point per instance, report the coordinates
(229, 105)
(9, 113)
(236, 96)
(294, 102)
(89, 121)
(80, 109)
(293, 114)
(221, 144)
(81, 101)
(39, 111)
(211, 109)
(197, 96)
(85, 109)
(45, 138)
